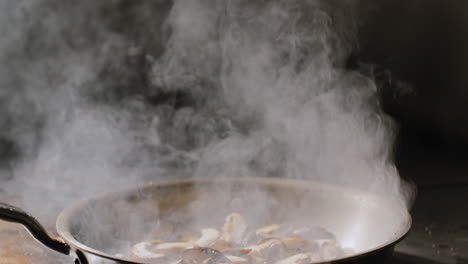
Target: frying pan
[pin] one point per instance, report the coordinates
(100, 227)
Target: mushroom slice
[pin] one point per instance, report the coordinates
(293, 243)
(267, 230)
(301, 258)
(221, 245)
(173, 245)
(271, 248)
(263, 245)
(209, 236)
(145, 250)
(234, 229)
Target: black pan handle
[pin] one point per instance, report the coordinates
(14, 214)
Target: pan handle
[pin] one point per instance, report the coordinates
(14, 214)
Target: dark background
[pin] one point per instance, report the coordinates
(424, 44)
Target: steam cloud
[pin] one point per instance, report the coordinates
(220, 88)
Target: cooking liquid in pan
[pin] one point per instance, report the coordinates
(240, 243)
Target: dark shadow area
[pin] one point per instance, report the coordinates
(419, 50)
(402, 258)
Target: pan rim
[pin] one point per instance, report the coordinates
(63, 219)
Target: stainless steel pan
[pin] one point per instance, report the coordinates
(98, 227)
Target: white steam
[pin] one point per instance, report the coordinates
(71, 140)
(263, 88)
(278, 66)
